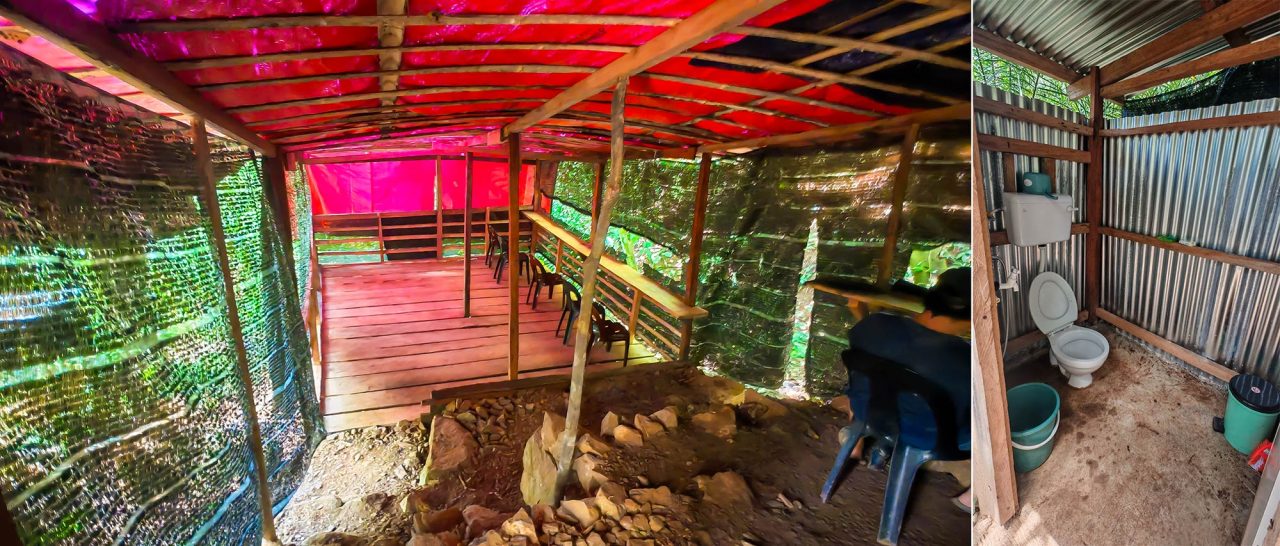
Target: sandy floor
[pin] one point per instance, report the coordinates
(1136, 461)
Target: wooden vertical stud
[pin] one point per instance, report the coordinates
(995, 485)
(693, 268)
(208, 186)
(466, 236)
(1093, 199)
(513, 248)
(439, 199)
(898, 194)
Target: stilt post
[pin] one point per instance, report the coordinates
(204, 165)
(590, 279)
(513, 250)
(466, 236)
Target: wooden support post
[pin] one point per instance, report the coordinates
(1049, 166)
(439, 199)
(996, 487)
(906, 154)
(204, 165)
(1009, 171)
(559, 253)
(637, 300)
(693, 267)
(590, 279)
(513, 249)
(596, 188)
(1093, 200)
(466, 236)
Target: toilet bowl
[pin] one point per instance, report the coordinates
(1076, 351)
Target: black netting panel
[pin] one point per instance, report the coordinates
(124, 418)
(1253, 81)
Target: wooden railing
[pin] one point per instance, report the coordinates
(408, 235)
(653, 313)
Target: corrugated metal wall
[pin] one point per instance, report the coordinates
(1221, 189)
(1067, 258)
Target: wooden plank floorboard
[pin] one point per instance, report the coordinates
(395, 332)
(532, 351)
(346, 350)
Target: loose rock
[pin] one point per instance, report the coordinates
(627, 436)
(721, 422)
(610, 422)
(452, 447)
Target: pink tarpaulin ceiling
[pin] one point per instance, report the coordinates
(406, 186)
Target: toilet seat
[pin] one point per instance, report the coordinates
(1052, 303)
(1079, 346)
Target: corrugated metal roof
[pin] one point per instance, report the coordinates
(1085, 33)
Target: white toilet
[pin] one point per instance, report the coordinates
(1075, 350)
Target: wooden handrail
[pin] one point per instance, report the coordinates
(380, 230)
(651, 290)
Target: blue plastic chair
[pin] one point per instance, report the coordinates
(911, 442)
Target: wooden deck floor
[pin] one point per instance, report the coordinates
(395, 331)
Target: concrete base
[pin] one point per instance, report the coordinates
(1136, 461)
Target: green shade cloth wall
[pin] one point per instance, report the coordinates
(124, 417)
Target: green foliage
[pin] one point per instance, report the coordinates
(927, 264)
(997, 72)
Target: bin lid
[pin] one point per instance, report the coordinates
(1256, 393)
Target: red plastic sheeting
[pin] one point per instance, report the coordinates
(406, 186)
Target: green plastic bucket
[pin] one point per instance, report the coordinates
(1034, 410)
(1253, 405)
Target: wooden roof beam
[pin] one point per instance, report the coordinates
(67, 27)
(1235, 38)
(296, 21)
(835, 134)
(390, 37)
(991, 42)
(1194, 33)
(712, 20)
(1261, 50)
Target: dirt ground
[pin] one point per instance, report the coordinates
(1136, 461)
(782, 451)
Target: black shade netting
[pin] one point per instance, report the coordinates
(1244, 83)
(124, 417)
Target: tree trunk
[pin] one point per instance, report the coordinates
(582, 326)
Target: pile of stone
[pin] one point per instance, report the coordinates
(486, 419)
(641, 517)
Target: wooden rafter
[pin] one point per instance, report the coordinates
(1006, 49)
(295, 21)
(535, 68)
(1263, 49)
(910, 26)
(712, 20)
(892, 32)
(566, 119)
(825, 77)
(838, 133)
(763, 94)
(1235, 38)
(69, 28)
(1203, 29)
